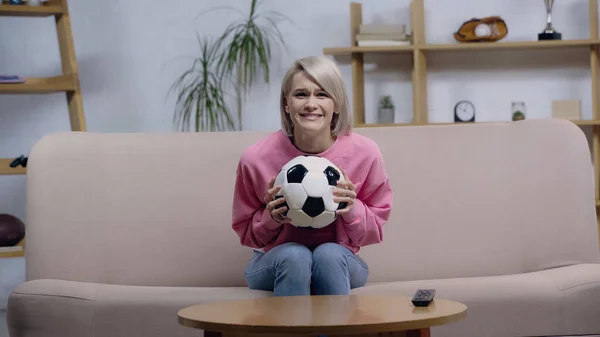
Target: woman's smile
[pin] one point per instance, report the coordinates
(311, 116)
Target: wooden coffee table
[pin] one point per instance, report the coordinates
(317, 315)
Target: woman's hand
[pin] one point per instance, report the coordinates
(275, 206)
(344, 192)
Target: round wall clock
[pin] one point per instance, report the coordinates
(464, 111)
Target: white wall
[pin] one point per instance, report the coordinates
(130, 52)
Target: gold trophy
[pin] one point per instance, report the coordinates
(549, 33)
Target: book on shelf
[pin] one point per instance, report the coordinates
(11, 79)
(382, 43)
(387, 37)
(375, 28)
(371, 35)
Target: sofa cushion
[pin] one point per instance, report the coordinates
(553, 302)
(559, 301)
(57, 308)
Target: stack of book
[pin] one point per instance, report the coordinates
(371, 35)
(11, 79)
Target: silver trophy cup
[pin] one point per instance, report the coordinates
(549, 33)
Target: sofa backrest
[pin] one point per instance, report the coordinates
(155, 208)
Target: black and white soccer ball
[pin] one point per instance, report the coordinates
(307, 184)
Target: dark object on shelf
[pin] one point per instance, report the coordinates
(496, 28)
(549, 32)
(22, 161)
(12, 230)
(464, 111)
(548, 36)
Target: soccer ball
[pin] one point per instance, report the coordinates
(307, 184)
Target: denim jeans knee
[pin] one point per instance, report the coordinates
(336, 270)
(285, 270)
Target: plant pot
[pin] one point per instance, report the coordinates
(385, 116)
(518, 116)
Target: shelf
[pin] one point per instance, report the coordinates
(351, 50)
(67, 82)
(19, 253)
(521, 45)
(5, 168)
(4, 255)
(30, 11)
(375, 125)
(61, 83)
(587, 122)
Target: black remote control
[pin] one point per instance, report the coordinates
(423, 297)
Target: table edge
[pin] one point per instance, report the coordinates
(364, 328)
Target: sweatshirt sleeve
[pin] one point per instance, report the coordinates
(250, 218)
(372, 207)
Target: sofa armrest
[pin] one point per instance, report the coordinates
(578, 287)
(60, 308)
(48, 308)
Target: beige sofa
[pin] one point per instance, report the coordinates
(123, 230)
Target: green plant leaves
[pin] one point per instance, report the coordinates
(201, 98)
(386, 102)
(236, 58)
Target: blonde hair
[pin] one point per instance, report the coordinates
(327, 75)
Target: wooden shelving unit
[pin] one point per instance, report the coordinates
(6, 169)
(31, 11)
(14, 253)
(420, 49)
(64, 83)
(67, 82)
(526, 45)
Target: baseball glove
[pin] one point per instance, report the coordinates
(488, 29)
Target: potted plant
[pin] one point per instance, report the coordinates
(518, 111)
(233, 60)
(386, 110)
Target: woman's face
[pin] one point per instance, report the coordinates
(309, 106)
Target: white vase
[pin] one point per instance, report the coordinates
(385, 116)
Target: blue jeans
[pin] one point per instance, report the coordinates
(292, 269)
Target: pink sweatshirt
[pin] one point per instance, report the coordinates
(359, 156)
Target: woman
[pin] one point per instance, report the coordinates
(316, 119)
